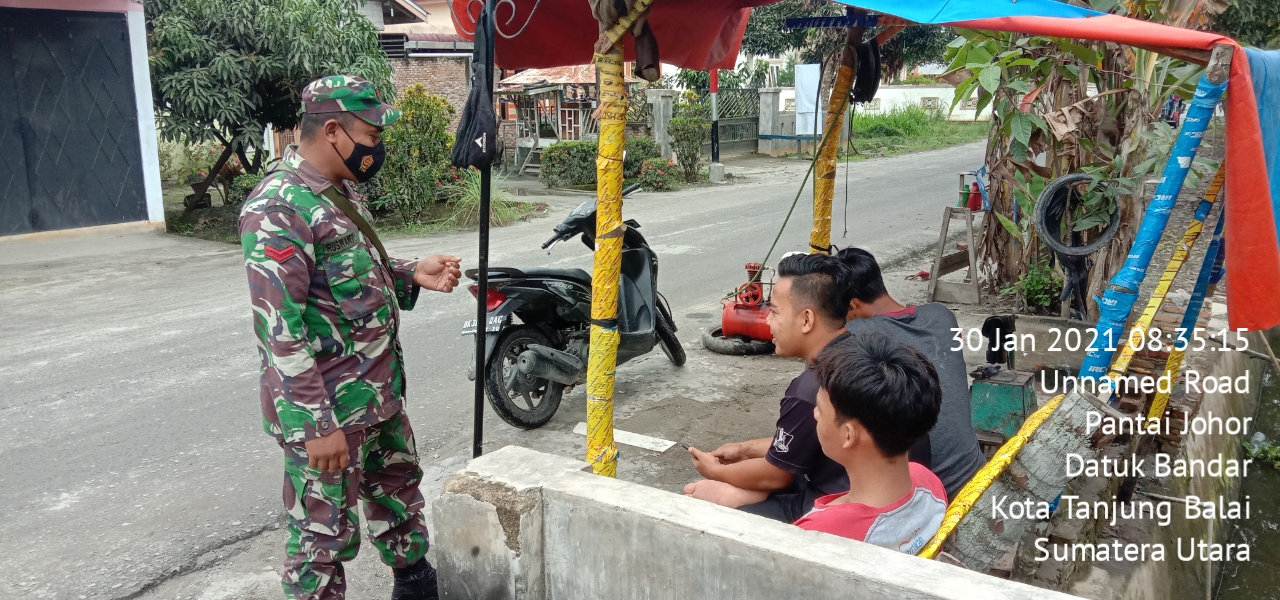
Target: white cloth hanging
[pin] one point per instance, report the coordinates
(808, 105)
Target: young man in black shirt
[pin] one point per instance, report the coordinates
(780, 477)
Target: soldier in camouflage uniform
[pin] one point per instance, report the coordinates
(326, 310)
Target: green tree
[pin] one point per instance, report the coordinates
(418, 151)
(914, 46)
(222, 70)
(747, 75)
(787, 74)
(767, 33)
(689, 129)
(1252, 22)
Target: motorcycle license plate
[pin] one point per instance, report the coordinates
(494, 325)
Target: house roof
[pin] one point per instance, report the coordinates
(436, 37)
(413, 9)
(577, 74)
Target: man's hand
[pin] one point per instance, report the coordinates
(731, 453)
(439, 273)
(706, 463)
(328, 453)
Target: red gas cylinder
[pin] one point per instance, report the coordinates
(745, 320)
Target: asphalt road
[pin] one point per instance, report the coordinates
(133, 451)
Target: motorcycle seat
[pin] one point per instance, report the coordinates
(577, 275)
(498, 273)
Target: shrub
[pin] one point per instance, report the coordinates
(418, 150)
(639, 151)
(687, 135)
(919, 79)
(1039, 288)
(692, 105)
(658, 175)
(574, 162)
(568, 163)
(240, 187)
(465, 196)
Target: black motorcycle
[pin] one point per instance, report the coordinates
(539, 323)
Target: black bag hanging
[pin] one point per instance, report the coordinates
(476, 144)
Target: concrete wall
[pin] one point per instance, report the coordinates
(442, 75)
(522, 524)
(890, 96)
(372, 9)
(898, 95)
(1175, 579)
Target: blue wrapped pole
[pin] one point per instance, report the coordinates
(1117, 302)
(1210, 274)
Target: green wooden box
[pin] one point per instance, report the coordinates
(1000, 403)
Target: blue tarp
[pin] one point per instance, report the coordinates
(950, 11)
(1265, 67)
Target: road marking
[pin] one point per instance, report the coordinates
(632, 439)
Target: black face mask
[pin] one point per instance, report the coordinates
(364, 161)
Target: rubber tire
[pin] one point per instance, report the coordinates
(514, 414)
(714, 340)
(1041, 218)
(667, 339)
(867, 80)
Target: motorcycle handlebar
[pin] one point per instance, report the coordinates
(555, 238)
(560, 236)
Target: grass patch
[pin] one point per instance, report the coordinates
(217, 224)
(908, 129)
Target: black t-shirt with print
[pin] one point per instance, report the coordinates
(795, 446)
(796, 449)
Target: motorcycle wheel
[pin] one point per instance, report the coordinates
(519, 399)
(667, 339)
(666, 311)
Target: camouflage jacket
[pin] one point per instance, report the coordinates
(325, 309)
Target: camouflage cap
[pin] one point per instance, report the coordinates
(348, 93)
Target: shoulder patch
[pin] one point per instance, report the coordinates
(280, 208)
(278, 249)
(343, 242)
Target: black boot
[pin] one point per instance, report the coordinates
(415, 582)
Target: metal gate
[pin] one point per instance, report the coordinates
(69, 153)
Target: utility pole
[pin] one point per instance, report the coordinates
(716, 172)
(824, 182)
(854, 22)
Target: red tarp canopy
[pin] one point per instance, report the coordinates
(692, 34)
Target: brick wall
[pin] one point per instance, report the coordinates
(442, 75)
(1148, 362)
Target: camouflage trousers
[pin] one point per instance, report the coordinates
(323, 524)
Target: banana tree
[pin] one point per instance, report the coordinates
(1063, 106)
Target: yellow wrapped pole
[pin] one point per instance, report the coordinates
(971, 493)
(824, 184)
(602, 362)
(1140, 328)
